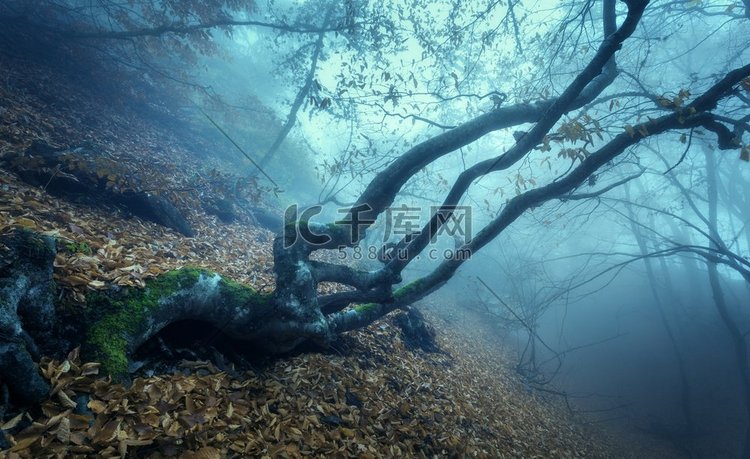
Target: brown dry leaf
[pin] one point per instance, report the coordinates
(108, 432)
(24, 443)
(191, 420)
(13, 422)
(26, 223)
(90, 369)
(96, 285)
(65, 400)
(78, 438)
(74, 356)
(63, 431)
(207, 452)
(76, 280)
(97, 406)
(125, 444)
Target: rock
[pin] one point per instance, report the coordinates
(4, 443)
(20, 374)
(415, 332)
(26, 260)
(157, 209)
(222, 208)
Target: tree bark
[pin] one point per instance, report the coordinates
(26, 306)
(114, 323)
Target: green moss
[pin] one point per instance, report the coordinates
(335, 230)
(109, 345)
(78, 247)
(339, 227)
(117, 316)
(363, 308)
(107, 338)
(408, 289)
(234, 292)
(342, 230)
(290, 227)
(399, 294)
(174, 280)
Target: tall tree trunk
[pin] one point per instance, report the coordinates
(301, 96)
(685, 392)
(735, 334)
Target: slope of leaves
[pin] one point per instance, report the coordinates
(98, 247)
(101, 245)
(372, 399)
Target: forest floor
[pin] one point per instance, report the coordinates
(368, 396)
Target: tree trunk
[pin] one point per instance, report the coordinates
(114, 323)
(735, 334)
(26, 307)
(685, 392)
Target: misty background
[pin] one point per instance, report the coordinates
(631, 305)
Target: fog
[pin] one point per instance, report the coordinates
(663, 367)
(571, 273)
(622, 293)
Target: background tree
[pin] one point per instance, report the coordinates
(699, 216)
(583, 113)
